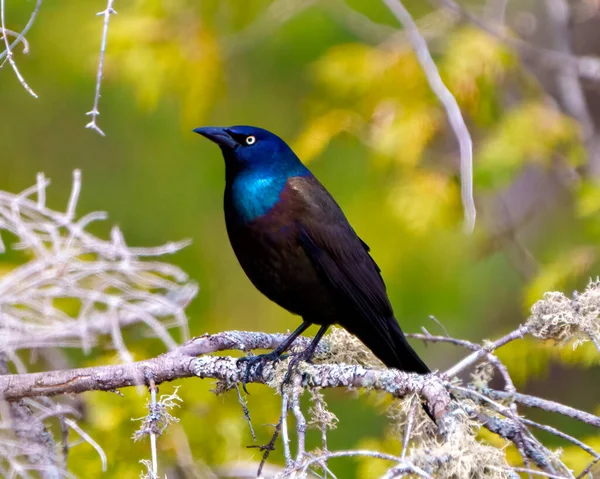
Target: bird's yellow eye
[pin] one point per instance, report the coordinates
(250, 140)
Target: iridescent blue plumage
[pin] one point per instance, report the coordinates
(297, 247)
(256, 187)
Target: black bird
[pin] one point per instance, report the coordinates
(297, 247)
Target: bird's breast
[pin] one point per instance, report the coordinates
(269, 252)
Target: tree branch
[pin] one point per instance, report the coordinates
(183, 363)
(176, 365)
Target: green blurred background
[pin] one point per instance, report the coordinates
(339, 82)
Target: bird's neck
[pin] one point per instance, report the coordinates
(253, 193)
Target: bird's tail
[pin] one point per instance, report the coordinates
(395, 352)
(402, 356)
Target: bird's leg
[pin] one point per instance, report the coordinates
(305, 355)
(275, 355)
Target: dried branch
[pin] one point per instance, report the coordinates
(408, 429)
(588, 67)
(245, 411)
(445, 96)
(20, 37)
(8, 52)
(157, 420)
(94, 112)
(569, 86)
(36, 444)
(177, 364)
(546, 405)
(110, 286)
(111, 282)
(519, 333)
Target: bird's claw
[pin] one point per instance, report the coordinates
(259, 360)
(305, 356)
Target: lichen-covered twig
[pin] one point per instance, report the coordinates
(174, 365)
(156, 421)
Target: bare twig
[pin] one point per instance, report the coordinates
(588, 67)
(455, 117)
(588, 469)
(519, 333)
(537, 473)
(87, 438)
(569, 86)
(508, 382)
(546, 405)
(408, 468)
(409, 425)
(246, 412)
(267, 448)
(21, 36)
(153, 407)
(114, 287)
(37, 443)
(511, 430)
(9, 53)
(562, 435)
(278, 13)
(285, 437)
(94, 112)
(300, 421)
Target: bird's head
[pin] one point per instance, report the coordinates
(250, 148)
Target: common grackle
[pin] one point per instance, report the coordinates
(297, 247)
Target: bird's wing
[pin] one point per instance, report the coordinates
(343, 261)
(337, 252)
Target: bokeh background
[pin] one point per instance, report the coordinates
(340, 83)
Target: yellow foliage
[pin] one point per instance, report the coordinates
(588, 199)
(373, 467)
(585, 355)
(555, 276)
(371, 73)
(587, 202)
(531, 358)
(525, 359)
(576, 458)
(403, 134)
(162, 49)
(6, 268)
(424, 199)
(531, 132)
(320, 131)
(474, 59)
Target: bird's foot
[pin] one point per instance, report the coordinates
(294, 363)
(259, 362)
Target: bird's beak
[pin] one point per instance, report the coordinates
(218, 135)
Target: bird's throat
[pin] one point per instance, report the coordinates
(254, 194)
